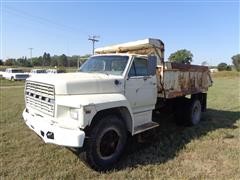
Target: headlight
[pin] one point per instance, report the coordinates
(74, 114)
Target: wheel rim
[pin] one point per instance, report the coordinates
(108, 144)
(196, 112)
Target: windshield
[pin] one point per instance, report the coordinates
(17, 71)
(114, 65)
(40, 71)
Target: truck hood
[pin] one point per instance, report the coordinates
(81, 83)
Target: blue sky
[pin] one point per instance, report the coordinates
(209, 29)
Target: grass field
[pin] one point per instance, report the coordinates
(6, 82)
(28, 69)
(210, 150)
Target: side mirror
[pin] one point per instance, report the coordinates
(152, 64)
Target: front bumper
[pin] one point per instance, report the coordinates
(50, 133)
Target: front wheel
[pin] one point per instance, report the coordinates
(106, 143)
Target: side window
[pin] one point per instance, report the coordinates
(139, 67)
(132, 71)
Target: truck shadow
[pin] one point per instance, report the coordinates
(168, 139)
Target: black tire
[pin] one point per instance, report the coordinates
(106, 143)
(193, 114)
(12, 79)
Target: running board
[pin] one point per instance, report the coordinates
(145, 127)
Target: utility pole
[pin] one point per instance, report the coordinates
(94, 39)
(30, 53)
(78, 63)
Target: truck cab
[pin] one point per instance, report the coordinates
(111, 97)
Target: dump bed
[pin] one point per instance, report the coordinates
(182, 79)
(174, 79)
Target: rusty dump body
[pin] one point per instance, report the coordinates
(177, 79)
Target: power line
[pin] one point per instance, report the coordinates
(46, 22)
(43, 20)
(94, 39)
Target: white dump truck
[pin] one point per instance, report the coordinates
(112, 97)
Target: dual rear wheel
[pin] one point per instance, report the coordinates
(188, 111)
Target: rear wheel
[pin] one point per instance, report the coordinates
(188, 111)
(106, 143)
(12, 78)
(194, 112)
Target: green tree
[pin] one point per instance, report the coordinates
(54, 60)
(10, 62)
(37, 61)
(222, 67)
(181, 56)
(46, 59)
(1, 62)
(73, 60)
(236, 61)
(23, 62)
(62, 60)
(229, 68)
(20, 61)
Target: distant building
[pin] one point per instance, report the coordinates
(213, 70)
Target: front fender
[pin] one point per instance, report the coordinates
(93, 103)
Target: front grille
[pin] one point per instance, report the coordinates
(40, 96)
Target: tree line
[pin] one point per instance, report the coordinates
(186, 57)
(181, 56)
(235, 61)
(47, 60)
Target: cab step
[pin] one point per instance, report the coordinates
(145, 127)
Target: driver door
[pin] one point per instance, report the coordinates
(141, 87)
